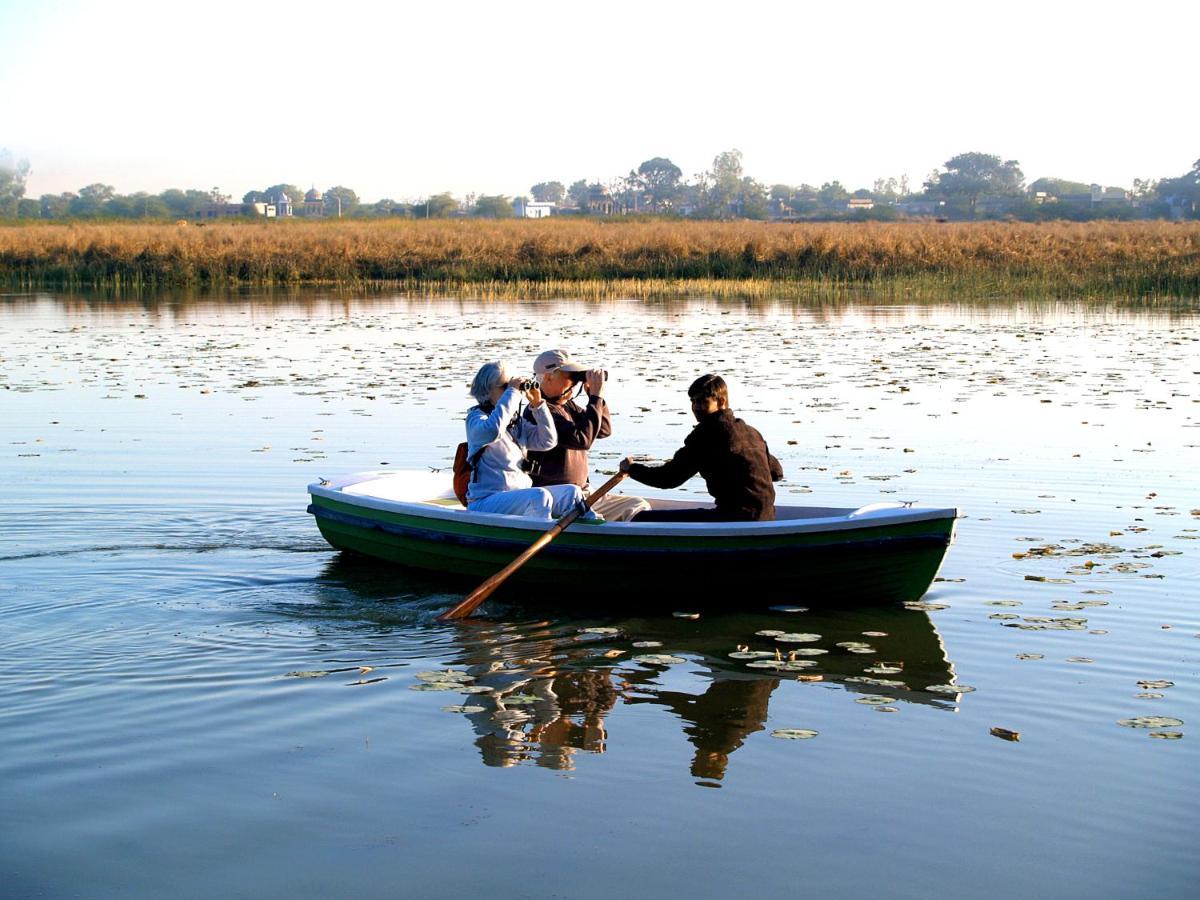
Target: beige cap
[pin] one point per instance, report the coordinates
(552, 360)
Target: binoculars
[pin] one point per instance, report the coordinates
(528, 384)
(578, 377)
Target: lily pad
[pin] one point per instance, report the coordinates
(1167, 735)
(874, 699)
(1150, 722)
(686, 615)
(751, 654)
(797, 637)
(517, 699)
(646, 644)
(462, 708)
(1031, 656)
(950, 688)
(658, 659)
(436, 686)
(789, 609)
(599, 629)
(794, 734)
(1155, 684)
(765, 664)
(446, 675)
(809, 651)
(770, 632)
(313, 673)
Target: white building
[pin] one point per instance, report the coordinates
(536, 209)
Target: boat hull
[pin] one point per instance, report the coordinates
(873, 563)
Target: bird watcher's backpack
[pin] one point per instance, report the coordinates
(464, 471)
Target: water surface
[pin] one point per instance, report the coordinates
(202, 698)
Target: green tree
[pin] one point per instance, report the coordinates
(12, 183)
(1059, 187)
(55, 206)
(833, 195)
(548, 191)
(577, 193)
(341, 200)
(293, 193)
(91, 200)
(969, 176)
(438, 206)
(721, 186)
(495, 206)
(28, 208)
(658, 180)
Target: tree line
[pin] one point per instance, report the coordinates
(968, 186)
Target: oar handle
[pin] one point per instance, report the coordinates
(485, 590)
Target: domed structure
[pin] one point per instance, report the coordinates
(313, 195)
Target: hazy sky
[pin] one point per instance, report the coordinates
(405, 99)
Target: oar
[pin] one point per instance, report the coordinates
(486, 589)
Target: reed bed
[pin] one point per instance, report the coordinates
(566, 256)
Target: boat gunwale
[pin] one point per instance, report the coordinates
(877, 518)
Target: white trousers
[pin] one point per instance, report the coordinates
(546, 502)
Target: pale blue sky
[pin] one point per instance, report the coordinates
(405, 99)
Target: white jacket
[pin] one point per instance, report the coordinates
(499, 466)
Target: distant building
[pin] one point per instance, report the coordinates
(536, 209)
(283, 205)
(314, 203)
(922, 207)
(225, 210)
(600, 201)
(860, 203)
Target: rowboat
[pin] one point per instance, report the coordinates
(885, 552)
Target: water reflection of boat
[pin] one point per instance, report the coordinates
(883, 552)
(553, 690)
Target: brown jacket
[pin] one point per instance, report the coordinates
(733, 459)
(578, 428)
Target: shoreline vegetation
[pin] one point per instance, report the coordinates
(640, 259)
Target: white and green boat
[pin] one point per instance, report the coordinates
(885, 552)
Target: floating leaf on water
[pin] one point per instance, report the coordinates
(1026, 512)
(436, 686)
(810, 677)
(1149, 695)
(1155, 684)
(875, 634)
(874, 699)
(810, 651)
(599, 629)
(789, 609)
(459, 708)
(886, 709)
(925, 606)
(658, 659)
(313, 673)
(950, 688)
(1003, 603)
(475, 689)
(647, 644)
(884, 670)
(517, 699)
(1005, 734)
(794, 734)
(769, 632)
(686, 615)
(1080, 659)
(447, 675)
(1031, 656)
(1004, 616)
(751, 654)
(797, 637)
(1150, 722)
(795, 665)
(1167, 735)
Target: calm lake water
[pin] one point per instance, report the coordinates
(201, 698)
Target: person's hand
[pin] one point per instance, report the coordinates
(516, 382)
(534, 396)
(625, 464)
(595, 382)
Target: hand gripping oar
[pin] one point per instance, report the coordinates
(486, 589)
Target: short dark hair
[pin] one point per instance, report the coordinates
(709, 387)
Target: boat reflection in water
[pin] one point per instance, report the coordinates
(554, 687)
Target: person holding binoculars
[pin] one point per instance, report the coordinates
(576, 427)
(498, 437)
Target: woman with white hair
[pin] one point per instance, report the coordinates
(497, 438)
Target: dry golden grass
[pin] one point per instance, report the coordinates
(645, 257)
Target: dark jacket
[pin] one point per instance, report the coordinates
(733, 459)
(578, 428)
